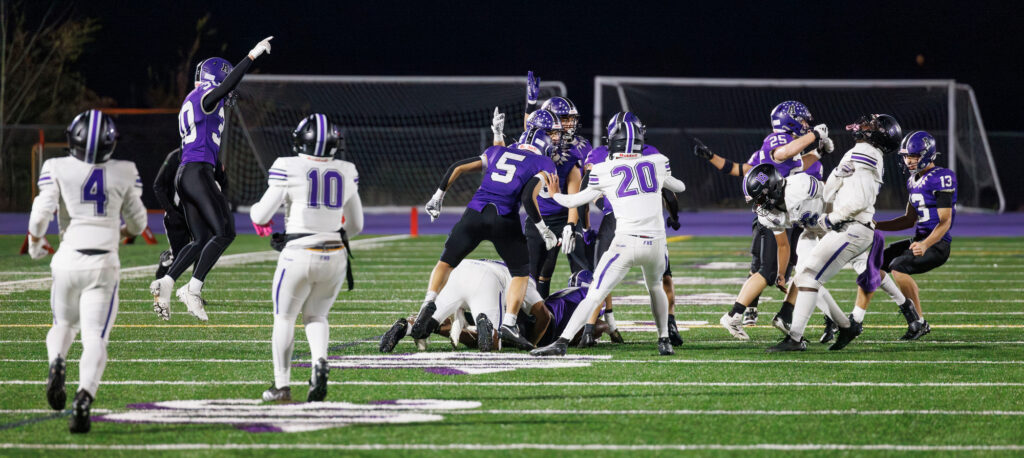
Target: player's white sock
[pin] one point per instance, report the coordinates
(94, 360)
(431, 295)
(318, 333)
(892, 290)
(609, 318)
(195, 285)
(659, 307)
(508, 319)
(282, 344)
(58, 341)
(920, 320)
(835, 312)
(805, 301)
(858, 314)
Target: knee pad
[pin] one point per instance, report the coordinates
(805, 279)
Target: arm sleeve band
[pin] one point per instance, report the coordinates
(229, 84)
(451, 169)
(671, 202)
(163, 185)
(527, 199)
(944, 199)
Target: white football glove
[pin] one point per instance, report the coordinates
(550, 239)
(822, 131)
(37, 247)
(498, 126)
(261, 47)
(825, 146)
(434, 206)
(568, 239)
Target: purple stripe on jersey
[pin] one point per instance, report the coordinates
(90, 143)
(814, 186)
(871, 278)
(110, 311)
(321, 125)
(603, 271)
(833, 258)
(43, 179)
(277, 174)
(858, 157)
(277, 291)
(501, 307)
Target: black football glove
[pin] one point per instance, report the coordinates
(673, 222)
(701, 150)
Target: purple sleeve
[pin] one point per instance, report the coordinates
(490, 153)
(649, 151)
(774, 141)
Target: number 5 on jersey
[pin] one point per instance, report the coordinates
(508, 170)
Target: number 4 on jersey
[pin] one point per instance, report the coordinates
(92, 191)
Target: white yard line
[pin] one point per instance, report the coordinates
(608, 361)
(506, 447)
(566, 383)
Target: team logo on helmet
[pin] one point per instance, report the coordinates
(761, 178)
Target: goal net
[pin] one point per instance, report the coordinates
(732, 117)
(401, 132)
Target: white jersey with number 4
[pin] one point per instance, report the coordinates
(633, 186)
(315, 192)
(91, 199)
(804, 204)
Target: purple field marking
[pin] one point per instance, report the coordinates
(718, 223)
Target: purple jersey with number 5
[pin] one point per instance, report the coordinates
(600, 154)
(200, 131)
(570, 159)
(561, 304)
(506, 171)
(764, 155)
(923, 193)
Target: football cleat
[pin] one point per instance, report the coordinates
(916, 330)
(734, 324)
(587, 338)
(161, 291)
(788, 344)
(275, 394)
(391, 338)
(781, 324)
(80, 407)
(484, 334)
(830, 331)
(616, 337)
(511, 335)
(318, 381)
(557, 348)
(665, 346)
(55, 393)
(673, 332)
(846, 335)
(750, 316)
(425, 322)
(193, 302)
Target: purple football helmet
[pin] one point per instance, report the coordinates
(92, 137)
(544, 119)
(214, 70)
(567, 113)
(317, 136)
(581, 279)
(535, 139)
(921, 144)
(880, 130)
(787, 115)
(625, 134)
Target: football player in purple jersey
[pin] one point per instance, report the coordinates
(931, 211)
(794, 146)
(511, 175)
(206, 209)
(552, 315)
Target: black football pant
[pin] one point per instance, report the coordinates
(208, 216)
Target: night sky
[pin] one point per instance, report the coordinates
(978, 43)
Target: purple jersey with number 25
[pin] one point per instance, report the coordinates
(506, 171)
(764, 155)
(923, 193)
(200, 131)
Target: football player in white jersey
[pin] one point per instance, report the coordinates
(852, 188)
(92, 193)
(316, 190)
(632, 183)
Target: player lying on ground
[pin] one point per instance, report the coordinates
(512, 175)
(175, 227)
(93, 193)
(551, 317)
(606, 234)
(207, 213)
(316, 190)
(931, 211)
(852, 188)
(476, 284)
(792, 147)
(632, 182)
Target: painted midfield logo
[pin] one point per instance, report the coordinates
(459, 363)
(253, 416)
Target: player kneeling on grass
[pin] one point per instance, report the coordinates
(632, 182)
(480, 285)
(92, 192)
(317, 190)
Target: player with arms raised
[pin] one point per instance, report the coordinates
(632, 182)
(511, 175)
(209, 218)
(316, 190)
(92, 193)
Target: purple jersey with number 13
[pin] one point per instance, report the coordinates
(200, 131)
(923, 193)
(506, 171)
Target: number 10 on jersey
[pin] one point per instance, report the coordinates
(326, 188)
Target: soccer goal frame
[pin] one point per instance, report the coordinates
(951, 87)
